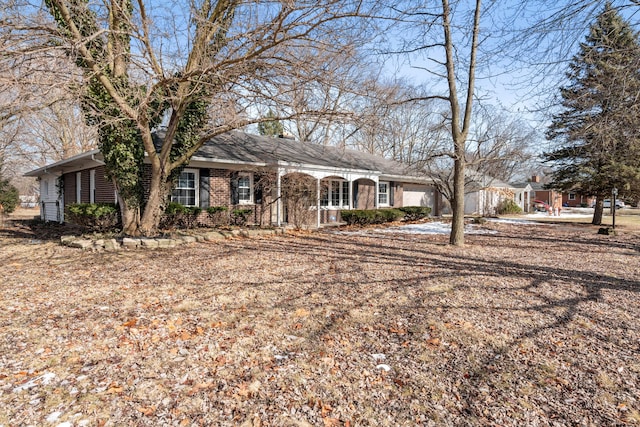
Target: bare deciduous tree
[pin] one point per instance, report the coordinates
(449, 36)
(202, 75)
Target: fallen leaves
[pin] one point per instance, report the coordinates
(130, 323)
(494, 331)
(147, 410)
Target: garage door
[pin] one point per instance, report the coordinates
(417, 195)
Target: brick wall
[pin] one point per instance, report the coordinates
(220, 188)
(397, 195)
(366, 194)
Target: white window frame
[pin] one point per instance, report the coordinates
(196, 186)
(343, 194)
(248, 201)
(572, 196)
(386, 194)
(78, 187)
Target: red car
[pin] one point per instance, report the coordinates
(540, 206)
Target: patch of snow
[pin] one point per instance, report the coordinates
(384, 367)
(378, 356)
(53, 417)
(41, 380)
(434, 227)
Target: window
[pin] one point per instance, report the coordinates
(383, 193)
(45, 187)
(335, 193)
(572, 196)
(245, 186)
(186, 190)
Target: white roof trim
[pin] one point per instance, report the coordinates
(58, 166)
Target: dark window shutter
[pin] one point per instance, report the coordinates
(355, 194)
(205, 188)
(391, 187)
(235, 197)
(257, 188)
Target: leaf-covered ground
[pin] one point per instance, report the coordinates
(533, 325)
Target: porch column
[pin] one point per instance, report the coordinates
(376, 195)
(318, 202)
(279, 198)
(350, 194)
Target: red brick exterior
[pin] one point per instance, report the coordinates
(220, 194)
(366, 194)
(397, 194)
(219, 183)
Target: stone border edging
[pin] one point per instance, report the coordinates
(161, 242)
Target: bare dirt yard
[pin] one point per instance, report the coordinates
(533, 325)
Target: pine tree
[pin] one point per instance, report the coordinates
(598, 130)
(270, 127)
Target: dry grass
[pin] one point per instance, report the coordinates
(534, 325)
(627, 219)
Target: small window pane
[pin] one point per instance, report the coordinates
(324, 194)
(335, 193)
(244, 188)
(345, 193)
(383, 193)
(185, 191)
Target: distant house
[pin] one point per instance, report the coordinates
(574, 199)
(523, 195)
(240, 170)
(485, 193)
(541, 193)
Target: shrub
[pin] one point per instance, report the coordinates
(94, 216)
(415, 213)
(218, 215)
(240, 216)
(508, 206)
(371, 216)
(177, 215)
(9, 197)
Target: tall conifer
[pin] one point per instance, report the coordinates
(598, 129)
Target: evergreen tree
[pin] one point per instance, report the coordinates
(270, 127)
(9, 197)
(598, 130)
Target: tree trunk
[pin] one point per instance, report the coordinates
(130, 218)
(154, 205)
(598, 211)
(457, 222)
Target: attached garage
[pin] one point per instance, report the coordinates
(420, 195)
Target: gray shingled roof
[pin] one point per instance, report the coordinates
(243, 147)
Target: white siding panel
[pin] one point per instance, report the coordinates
(51, 206)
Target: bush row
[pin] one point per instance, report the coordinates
(105, 216)
(381, 216)
(95, 216)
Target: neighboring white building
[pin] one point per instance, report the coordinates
(485, 193)
(51, 198)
